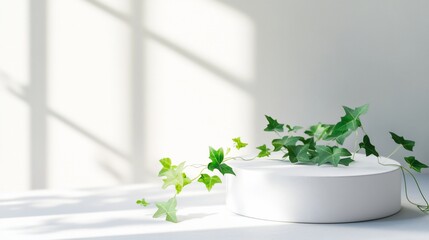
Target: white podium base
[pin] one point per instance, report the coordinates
(281, 191)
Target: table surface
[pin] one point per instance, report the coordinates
(112, 214)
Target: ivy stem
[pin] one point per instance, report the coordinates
(193, 179)
(241, 158)
(278, 134)
(355, 147)
(394, 151)
(418, 187)
(195, 165)
(423, 208)
(363, 130)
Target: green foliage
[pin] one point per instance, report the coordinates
(415, 164)
(348, 124)
(217, 158)
(142, 202)
(173, 175)
(166, 165)
(319, 131)
(293, 129)
(332, 155)
(168, 209)
(265, 152)
(298, 153)
(407, 144)
(273, 125)
(238, 143)
(284, 142)
(209, 181)
(318, 148)
(369, 148)
(345, 161)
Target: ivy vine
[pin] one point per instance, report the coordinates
(319, 144)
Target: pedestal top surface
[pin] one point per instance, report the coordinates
(362, 166)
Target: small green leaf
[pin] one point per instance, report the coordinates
(293, 129)
(265, 152)
(186, 181)
(175, 176)
(168, 209)
(319, 131)
(346, 161)
(142, 202)
(227, 151)
(310, 141)
(284, 142)
(407, 144)
(273, 125)
(349, 123)
(238, 143)
(166, 165)
(298, 153)
(332, 155)
(225, 169)
(369, 148)
(415, 164)
(217, 158)
(216, 155)
(209, 181)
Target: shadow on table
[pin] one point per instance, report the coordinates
(402, 225)
(90, 201)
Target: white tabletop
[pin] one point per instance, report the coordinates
(112, 214)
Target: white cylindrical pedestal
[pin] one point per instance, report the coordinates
(281, 191)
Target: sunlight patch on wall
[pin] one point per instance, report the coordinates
(14, 112)
(89, 67)
(208, 29)
(89, 70)
(189, 108)
(14, 142)
(77, 162)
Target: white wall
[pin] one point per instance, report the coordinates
(94, 92)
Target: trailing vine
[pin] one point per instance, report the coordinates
(317, 145)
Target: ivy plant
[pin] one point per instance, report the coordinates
(319, 144)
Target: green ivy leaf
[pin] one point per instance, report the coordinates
(168, 209)
(238, 143)
(319, 131)
(175, 176)
(284, 142)
(332, 155)
(142, 202)
(217, 158)
(369, 148)
(310, 141)
(415, 164)
(407, 144)
(293, 129)
(265, 152)
(349, 123)
(225, 169)
(216, 155)
(345, 161)
(273, 125)
(186, 181)
(209, 181)
(166, 165)
(298, 153)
